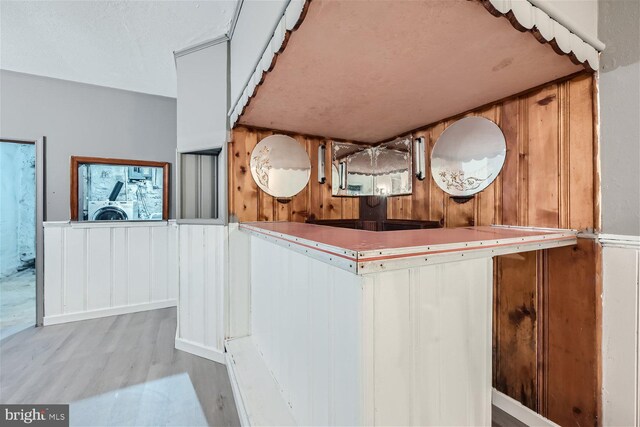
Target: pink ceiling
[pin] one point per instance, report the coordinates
(370, 70)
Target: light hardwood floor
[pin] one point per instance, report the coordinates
(120, 370)
(123, 371)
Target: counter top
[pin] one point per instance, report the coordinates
(362, 251)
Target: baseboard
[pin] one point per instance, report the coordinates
(519, 411)
(106, 312)
(201, 350)
(237, 396)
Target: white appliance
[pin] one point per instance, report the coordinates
(105, 210)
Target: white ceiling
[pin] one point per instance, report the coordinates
(121, 44)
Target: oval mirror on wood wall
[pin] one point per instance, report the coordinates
(468, 157)
(280, 166)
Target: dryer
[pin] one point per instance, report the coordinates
(106, 210)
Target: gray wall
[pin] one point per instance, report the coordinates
(619, 29)
(85, 120)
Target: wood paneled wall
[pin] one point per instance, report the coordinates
(546, 311)
(248, 203)
(548, 176)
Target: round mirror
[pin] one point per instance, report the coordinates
(280, 166)
(468, 156)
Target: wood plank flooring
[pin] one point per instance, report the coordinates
(123, 371)
(120, 370)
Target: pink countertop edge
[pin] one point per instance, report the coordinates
(364, 242)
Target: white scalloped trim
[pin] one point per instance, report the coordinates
(287, 23)
(530, 16)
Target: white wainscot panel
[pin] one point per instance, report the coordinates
(405, 347)
(620, 335)
(305, 323)
(97, 270)
(201, 301)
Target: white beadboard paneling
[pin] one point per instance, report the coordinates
(139, 254)
(97, 270)
(119, 267)
(76, 270)
(239, 283)
(405, 347)
(620, 339)
(54, 271)
(305, 325)
(160, 254)
(432, 344)
(201, 301)
(392, 340)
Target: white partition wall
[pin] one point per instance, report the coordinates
(621, 330)
(97, 270)
(202, 98)
(201, 314)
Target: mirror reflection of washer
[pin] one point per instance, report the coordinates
(111, 211)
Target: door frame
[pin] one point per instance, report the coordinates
(40, 218)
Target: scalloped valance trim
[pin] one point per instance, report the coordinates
(524, 16)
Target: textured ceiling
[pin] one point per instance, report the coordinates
(121, 44)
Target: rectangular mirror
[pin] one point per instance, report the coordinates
(381, 170)
(119, 190)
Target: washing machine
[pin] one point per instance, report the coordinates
(106, 210)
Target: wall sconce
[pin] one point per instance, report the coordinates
(321, 152)
(419, 158)
(342, 173)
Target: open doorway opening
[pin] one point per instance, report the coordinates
(18, 236)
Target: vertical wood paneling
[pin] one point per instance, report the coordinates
(573, 298)
(510, 172)
(515, 326)
(92, 270)
(543, 159)
(581, 193)
(436, 195)
(248, 203)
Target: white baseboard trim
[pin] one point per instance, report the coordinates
(235, 388)
(519, 411)
(201, 350)
(106, 312)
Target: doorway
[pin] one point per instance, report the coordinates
(21, 235)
